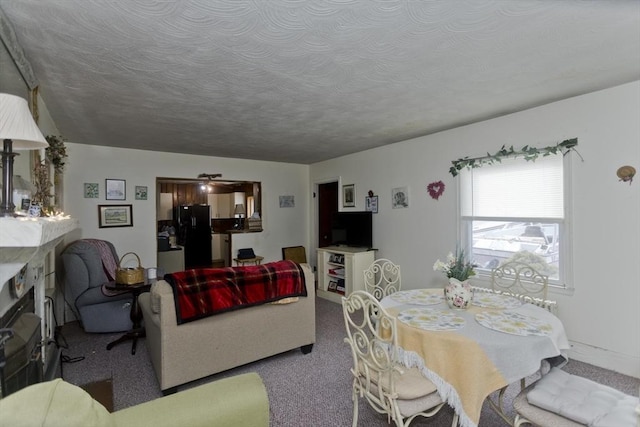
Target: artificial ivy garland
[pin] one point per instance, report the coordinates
(529, 154)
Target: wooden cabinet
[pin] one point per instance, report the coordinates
(341, 270)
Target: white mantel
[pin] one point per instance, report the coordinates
(22, 238)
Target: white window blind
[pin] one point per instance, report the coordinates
(514, 188)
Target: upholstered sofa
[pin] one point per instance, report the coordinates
(181, 353)
(239, 401)
(84, 274)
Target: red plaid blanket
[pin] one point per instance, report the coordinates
(204, 292)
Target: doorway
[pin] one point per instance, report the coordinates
(327, 207)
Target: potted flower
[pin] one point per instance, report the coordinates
(458, 269)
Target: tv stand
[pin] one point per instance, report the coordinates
(341, 270)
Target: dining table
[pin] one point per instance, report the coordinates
(469, 354)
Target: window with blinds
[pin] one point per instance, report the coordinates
(517, 210)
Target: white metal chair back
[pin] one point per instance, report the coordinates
(517, 278)
(382, 278)
(377, 374)
(549, 305)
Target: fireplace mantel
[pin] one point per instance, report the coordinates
(21, 239)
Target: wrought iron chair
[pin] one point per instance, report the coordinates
(390, 388)
(519, 279)
(382, 278)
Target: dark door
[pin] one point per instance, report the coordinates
(327, 206)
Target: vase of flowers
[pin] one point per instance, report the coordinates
(458, 292)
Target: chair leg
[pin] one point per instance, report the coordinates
(454, 423)
(520, 421)
(354, 397)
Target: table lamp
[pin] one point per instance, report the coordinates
(18, 131)
(239, 210)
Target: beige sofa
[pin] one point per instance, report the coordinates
(239, 401)
(193, 350)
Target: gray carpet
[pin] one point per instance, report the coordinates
(304, 390)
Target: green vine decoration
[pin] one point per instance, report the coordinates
(56, 152)
(529, 154)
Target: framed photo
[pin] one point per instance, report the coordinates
(141, 192)
(287, 202)
(400, 198)
(91, 190)
(116, 189)
(371, 204)
(349, 196)
(115, 216)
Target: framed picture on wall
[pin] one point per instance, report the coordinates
(371, 204)
(116, 189)
(141, 192)
(400, 198)
(91, 190)
(349, 196)
(287, 201)
(115, 216)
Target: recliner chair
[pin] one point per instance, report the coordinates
(84, 276)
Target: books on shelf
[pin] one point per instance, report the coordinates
(336, 285)
(337, 271)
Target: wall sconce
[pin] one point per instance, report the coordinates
(18, 131)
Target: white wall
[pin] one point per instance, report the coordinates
(94, 164)
(602, 317)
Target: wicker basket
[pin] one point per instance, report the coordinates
(131, 275)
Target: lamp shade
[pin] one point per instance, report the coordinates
(17, 124)
(239, 209)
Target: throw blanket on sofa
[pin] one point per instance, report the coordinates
(204, 292)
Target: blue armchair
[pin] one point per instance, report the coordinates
(84, 275)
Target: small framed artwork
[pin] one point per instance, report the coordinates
(141, 192)
(91, 190)
(400, 198)
(115, 216)
(116, 189)
(287, 202)
(371, 204)
(349, 196)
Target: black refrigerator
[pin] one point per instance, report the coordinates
(195, 235)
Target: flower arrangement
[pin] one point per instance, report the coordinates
(456, 266)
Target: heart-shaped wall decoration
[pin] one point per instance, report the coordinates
(435, 189)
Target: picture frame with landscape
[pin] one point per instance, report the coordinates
(115, 216)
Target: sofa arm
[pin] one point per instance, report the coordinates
(239, 401)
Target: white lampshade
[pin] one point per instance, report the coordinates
(17, 124)
(18, 131)
(239, 209)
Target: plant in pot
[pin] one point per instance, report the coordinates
(458, 269)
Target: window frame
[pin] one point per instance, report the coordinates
(564, 283)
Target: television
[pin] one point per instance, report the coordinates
(352, 229)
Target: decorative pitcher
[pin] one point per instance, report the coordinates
(458, 294)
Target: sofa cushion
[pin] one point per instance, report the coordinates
(53, 404)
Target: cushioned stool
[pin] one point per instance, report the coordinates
(565, 400)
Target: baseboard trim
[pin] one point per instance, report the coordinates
(622, 363)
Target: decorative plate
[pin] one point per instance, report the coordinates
(18, 284)
(496, 301)
(418, 297)
(513, 323)
(431, 319)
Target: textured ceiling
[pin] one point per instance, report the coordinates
(308, 80)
